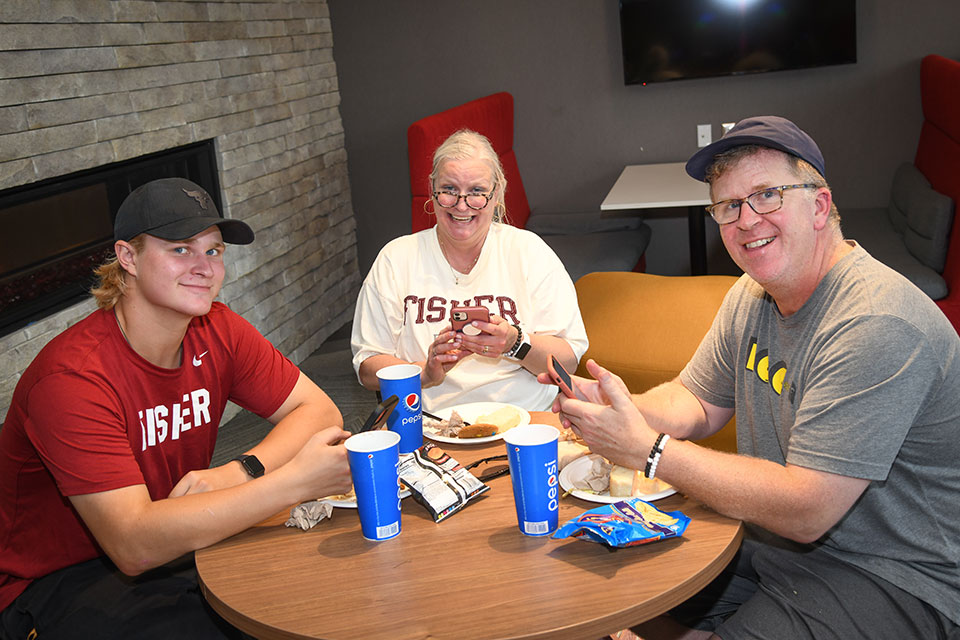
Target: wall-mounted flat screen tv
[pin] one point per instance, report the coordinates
(679, 39)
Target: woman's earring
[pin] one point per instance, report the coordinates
(429, 213)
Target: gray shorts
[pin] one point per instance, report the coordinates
(767, 592)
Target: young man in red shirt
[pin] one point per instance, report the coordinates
(105, 485)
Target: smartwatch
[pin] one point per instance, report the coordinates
(251, 464)
(521, 347)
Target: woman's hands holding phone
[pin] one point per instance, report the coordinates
(443, 353)
(495, 338)
(491, 336)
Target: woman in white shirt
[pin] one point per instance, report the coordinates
(469, 258)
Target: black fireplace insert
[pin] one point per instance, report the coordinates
(56, 232)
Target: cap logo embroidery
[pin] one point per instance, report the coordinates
(199, 196)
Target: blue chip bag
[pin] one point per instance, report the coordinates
(627, 523)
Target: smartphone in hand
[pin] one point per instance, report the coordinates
(461, 317)
(563, 379)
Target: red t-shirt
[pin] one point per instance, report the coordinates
(91, 415)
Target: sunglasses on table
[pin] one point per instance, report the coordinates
(493, 472)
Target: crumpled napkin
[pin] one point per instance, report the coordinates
(308, 514)
(597, 477)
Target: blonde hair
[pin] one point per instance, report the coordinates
(804, 171)
(466, 144)
(112, 275)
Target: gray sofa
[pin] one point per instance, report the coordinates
(911, 234)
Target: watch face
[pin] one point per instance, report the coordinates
(253, 466)
(522, 351)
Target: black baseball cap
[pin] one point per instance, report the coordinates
(767, 131)
(174, 209)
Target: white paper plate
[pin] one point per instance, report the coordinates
(351, 502)
(470, 412)
(579, 467)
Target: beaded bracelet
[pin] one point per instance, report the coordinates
(651, 469)
(512, 351)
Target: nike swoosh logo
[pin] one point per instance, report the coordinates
(196, 359)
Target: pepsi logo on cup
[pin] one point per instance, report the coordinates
(552, 480)
(411, 409)
(412, 401)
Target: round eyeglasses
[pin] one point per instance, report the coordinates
(450, 199)
(762, 202)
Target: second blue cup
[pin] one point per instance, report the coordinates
(373, 458)
(403, 381)
(532, 454)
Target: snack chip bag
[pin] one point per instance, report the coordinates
(627, 523)
(438, 481)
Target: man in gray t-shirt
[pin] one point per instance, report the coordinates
(845, 380)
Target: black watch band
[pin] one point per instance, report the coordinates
(521, 347)
(251, 464)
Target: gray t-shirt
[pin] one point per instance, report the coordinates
(862, 381)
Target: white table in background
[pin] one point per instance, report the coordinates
(654, 186)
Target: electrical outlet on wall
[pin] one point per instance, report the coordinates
(704, 135)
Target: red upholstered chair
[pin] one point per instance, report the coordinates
(915, 233)
(938, 157)
(585, 242)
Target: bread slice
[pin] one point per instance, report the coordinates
(622, 481)
(505, 418)
(625, 483)
(568, 451)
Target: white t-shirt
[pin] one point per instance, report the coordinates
(406, 298)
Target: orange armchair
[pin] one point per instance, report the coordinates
(645, 328)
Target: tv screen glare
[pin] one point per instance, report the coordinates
(667, 40)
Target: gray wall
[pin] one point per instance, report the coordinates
(577, 125)
(88, 83)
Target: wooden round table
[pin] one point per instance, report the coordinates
(473, 575)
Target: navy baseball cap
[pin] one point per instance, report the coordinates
(174, 209)
(767, 131)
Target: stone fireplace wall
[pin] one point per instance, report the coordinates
(89, 82)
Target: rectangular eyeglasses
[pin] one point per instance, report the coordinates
(762, 202)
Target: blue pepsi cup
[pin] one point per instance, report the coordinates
(403, 381)
(532, 455)
(374, 457)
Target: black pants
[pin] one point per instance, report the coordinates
(768, 592)
(94, 600)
